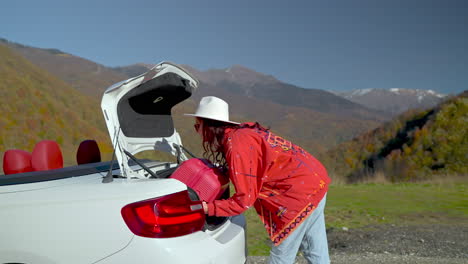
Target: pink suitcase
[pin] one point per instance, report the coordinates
(203, 177)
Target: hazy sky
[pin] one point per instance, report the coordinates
(335, 45)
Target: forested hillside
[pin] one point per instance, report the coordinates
(36, 106)
(86, 76)
(417, 145)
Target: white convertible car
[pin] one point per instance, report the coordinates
(121, 211)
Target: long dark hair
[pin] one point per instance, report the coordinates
(213, 136)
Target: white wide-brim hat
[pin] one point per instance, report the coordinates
(212, 107)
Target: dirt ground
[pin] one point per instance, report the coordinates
(395, 244)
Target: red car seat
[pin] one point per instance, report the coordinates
(88, 152)
(16, 161)
(46, 156)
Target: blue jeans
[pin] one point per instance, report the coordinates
(310, 237)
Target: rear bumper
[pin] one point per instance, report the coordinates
(224, 245)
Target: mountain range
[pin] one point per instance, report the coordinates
(316, 119)
(395, 100)
(84, 75)
(92, 78)
(313, 118)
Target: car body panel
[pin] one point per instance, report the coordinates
(197, 248)
(50, 222)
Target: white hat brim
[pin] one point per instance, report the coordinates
(208, 117)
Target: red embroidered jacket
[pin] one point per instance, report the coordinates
(282, 181)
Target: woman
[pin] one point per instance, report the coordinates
(286, 185)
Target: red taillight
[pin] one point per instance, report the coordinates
(169, 216)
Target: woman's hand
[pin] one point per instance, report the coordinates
(205, 207)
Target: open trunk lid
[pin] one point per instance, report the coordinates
(138, 112)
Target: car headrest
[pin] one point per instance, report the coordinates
(46, 156)
(88, 152)
(16, 161)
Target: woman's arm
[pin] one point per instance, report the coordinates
(243, 154)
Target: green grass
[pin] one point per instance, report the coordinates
(363, 205)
